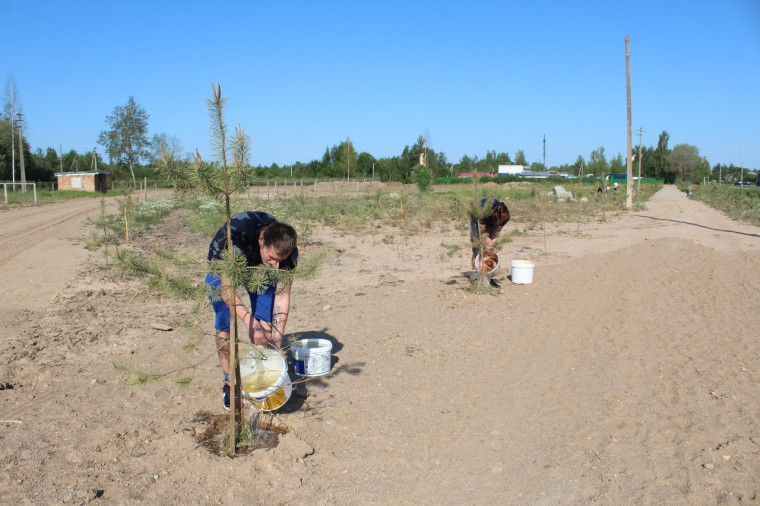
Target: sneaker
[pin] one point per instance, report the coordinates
(475, 275)
(494, 284)
(226, 396)
(301, 391)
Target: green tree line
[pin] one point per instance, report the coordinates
(132, 155)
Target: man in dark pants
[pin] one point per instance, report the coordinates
(485, 231)
(263, 240)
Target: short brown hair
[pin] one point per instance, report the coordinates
(499, 215)
(281, 237)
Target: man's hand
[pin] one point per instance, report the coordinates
(260, 333)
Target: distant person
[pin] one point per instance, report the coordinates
(485, 231)
(263, 240)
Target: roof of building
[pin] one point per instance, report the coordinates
(81, 173)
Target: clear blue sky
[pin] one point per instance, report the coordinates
(473, 76)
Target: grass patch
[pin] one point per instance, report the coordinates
(19, 199)
(451, 249)
(132, 220)
(530, 203)
(134, 376)
(739, 203)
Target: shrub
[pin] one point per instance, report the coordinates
(422, 177)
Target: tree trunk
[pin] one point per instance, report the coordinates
(132, 171)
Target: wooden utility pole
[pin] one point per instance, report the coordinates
(638, 185)
(629, 163)
(22, 171)
(13, 152)
(11, 105)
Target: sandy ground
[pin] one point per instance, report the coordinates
(626, 373)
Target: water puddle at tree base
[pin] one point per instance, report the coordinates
(216, 440)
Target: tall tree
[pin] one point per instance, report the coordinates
(5, 149)
(126, 140)
(10, 110)
(597, 163)
(420, 148)
(344, 159)
(503, 159)
(579, 165)
(685, 161)
(520, 158)
(646, 161)
(660, 156)
(467, 164)
(616, 164)
(169, 143)
(364, 164)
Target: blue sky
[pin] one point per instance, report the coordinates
(472, 76)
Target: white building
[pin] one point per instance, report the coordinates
(512, 169)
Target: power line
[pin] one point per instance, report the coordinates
(638, 183)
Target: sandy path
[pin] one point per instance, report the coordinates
(669, 213)
(626, 373)
(40, 248)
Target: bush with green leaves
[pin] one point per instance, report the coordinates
(422, 177)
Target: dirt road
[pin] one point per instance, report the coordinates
(37, 257)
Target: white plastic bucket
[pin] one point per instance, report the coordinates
(277, 399)
(262, 373)
(522, 271)
(493, 256)
(312, 357)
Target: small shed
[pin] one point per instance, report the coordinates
(86, 181)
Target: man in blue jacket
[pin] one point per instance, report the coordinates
(263, 240)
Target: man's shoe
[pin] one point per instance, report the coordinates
(495, 284)
(301, 391)
(226, 396)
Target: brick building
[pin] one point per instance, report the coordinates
(85, 181)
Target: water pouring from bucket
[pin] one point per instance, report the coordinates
(263, 373)
(277, 399)
(489, 264)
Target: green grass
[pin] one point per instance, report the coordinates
(133, 218)
(18, 199)
(415, 212)
(410, 213)
(740, 203)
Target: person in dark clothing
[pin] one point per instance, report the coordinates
(485, 231)
(263, 240)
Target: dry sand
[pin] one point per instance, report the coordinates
(626, 373)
